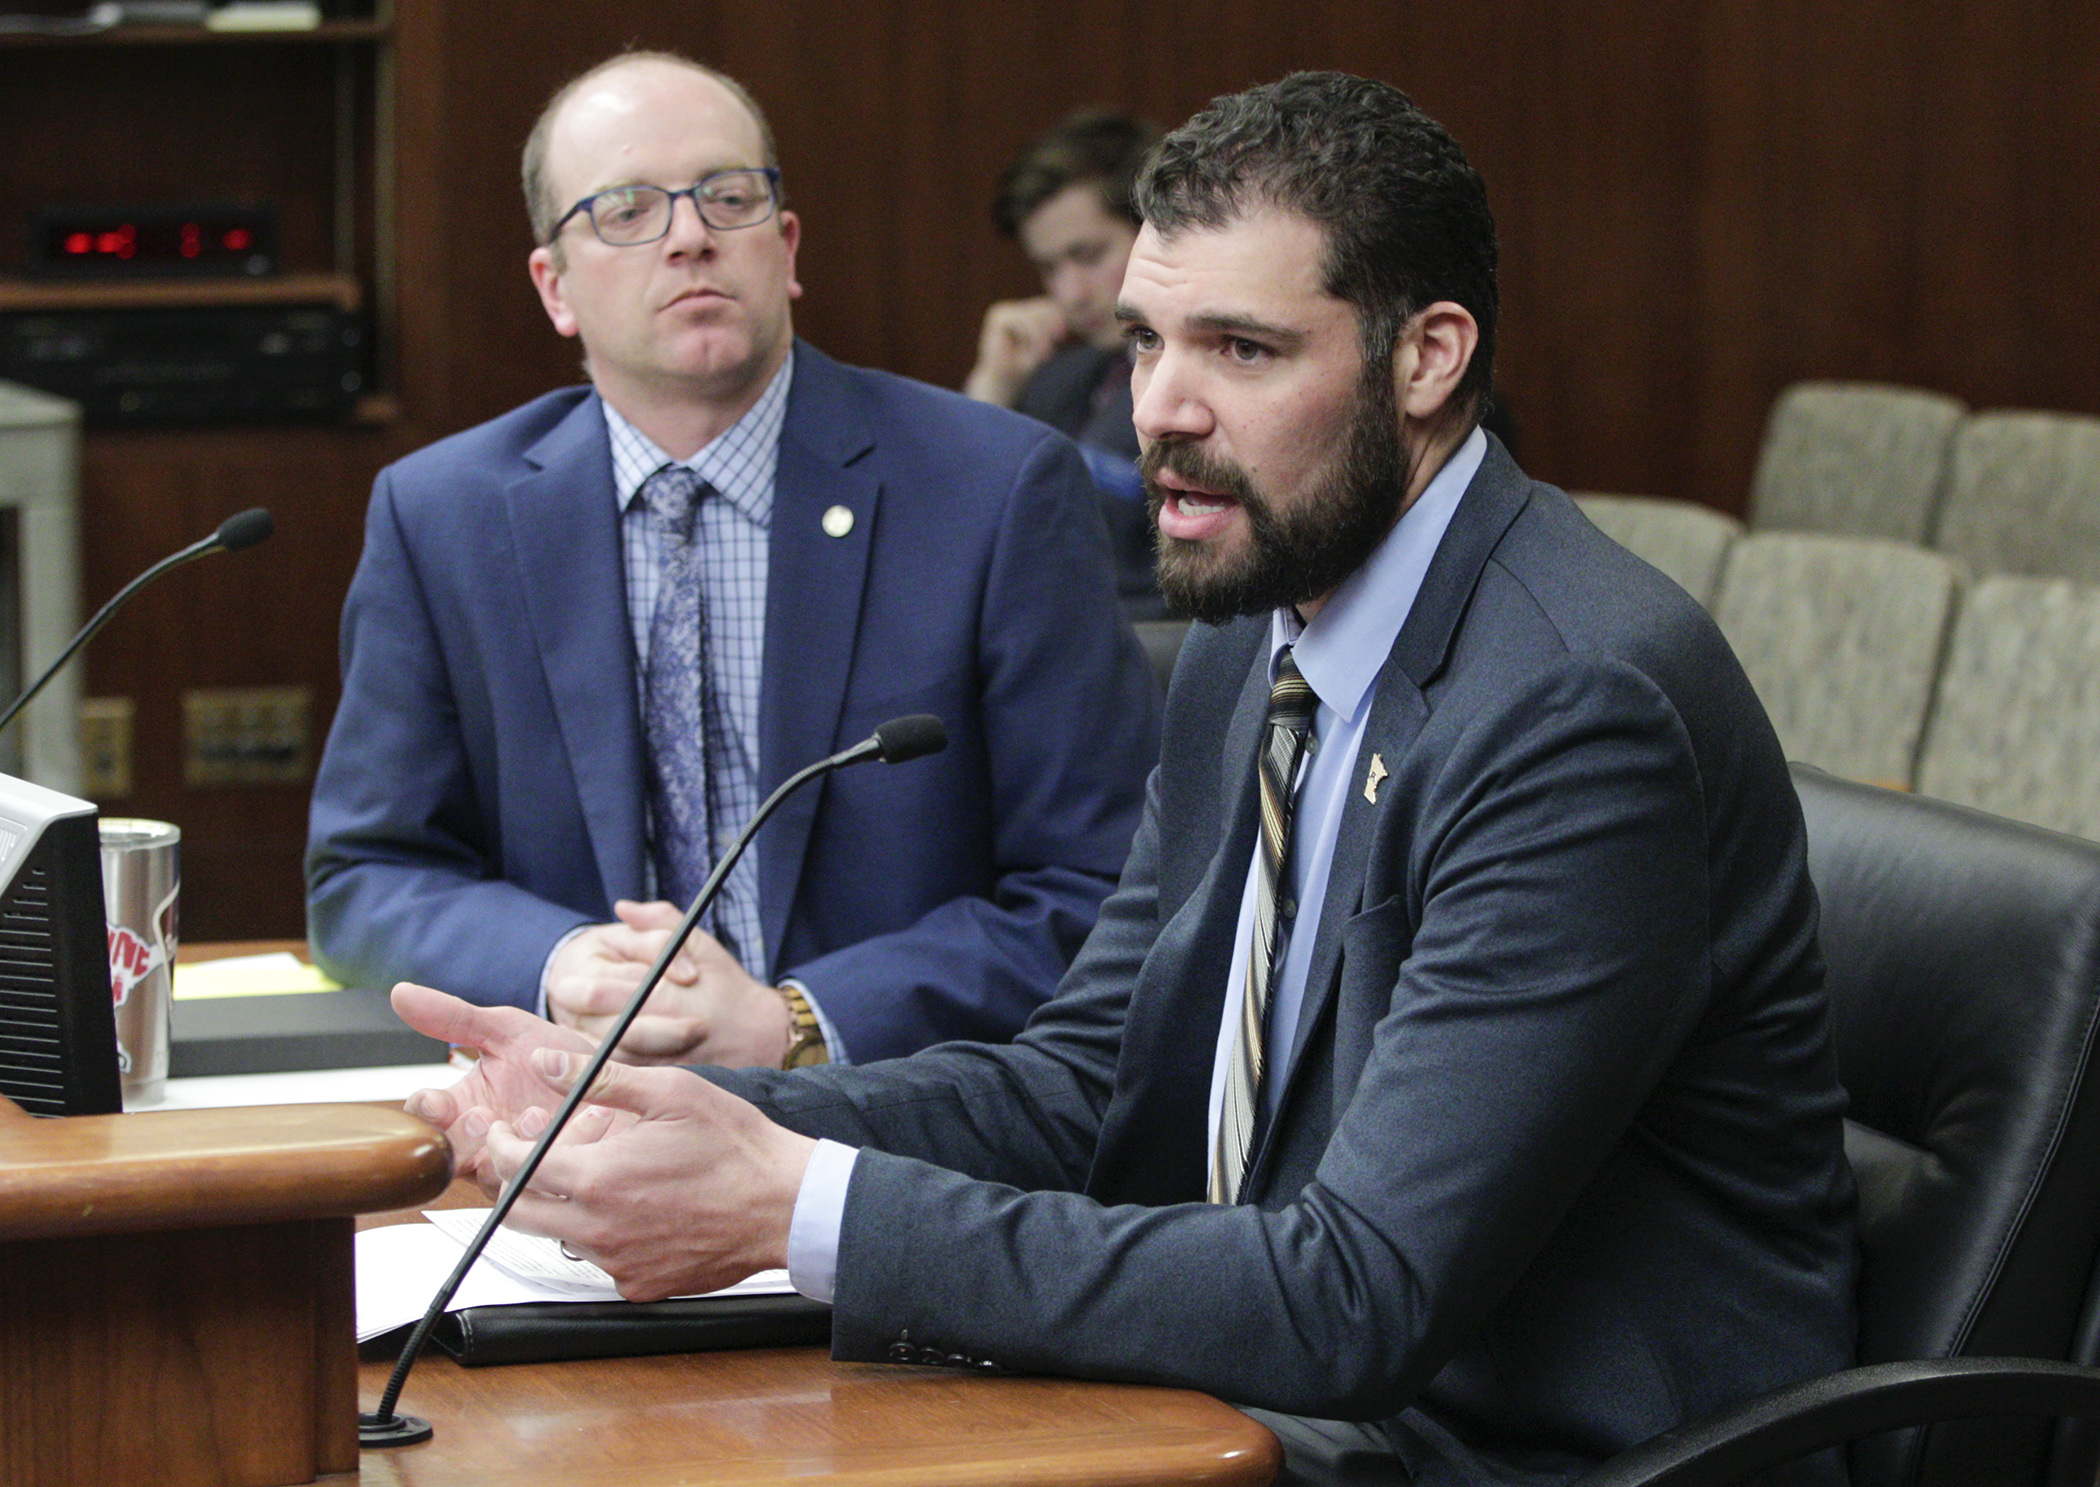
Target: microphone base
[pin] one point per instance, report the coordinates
(374, 1431)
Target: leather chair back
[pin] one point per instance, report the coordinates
(1964, 969)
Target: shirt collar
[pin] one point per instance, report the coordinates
(1342, 651)
(738, 462)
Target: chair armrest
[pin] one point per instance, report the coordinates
(1829, 1411)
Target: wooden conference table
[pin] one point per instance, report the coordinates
(770, 1415)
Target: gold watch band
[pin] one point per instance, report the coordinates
(805, 1037)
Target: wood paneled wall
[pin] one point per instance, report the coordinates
(1699, 204)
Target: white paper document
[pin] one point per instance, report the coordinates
(400, 1267)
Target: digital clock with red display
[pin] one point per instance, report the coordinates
(124, 242)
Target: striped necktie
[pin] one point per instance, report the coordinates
(1291, 708)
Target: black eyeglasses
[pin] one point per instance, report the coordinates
(629, 216)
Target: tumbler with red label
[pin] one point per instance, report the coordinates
(141, 874)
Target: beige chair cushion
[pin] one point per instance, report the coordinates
(2023, 495)
(1854, 458)
(2016, 728)
(1841, 637)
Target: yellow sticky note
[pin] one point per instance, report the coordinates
(281, 974)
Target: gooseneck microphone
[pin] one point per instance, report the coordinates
(235, 533)
(893, 743)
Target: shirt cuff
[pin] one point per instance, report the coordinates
(820, 1213)
(834, 1045)
(547, 965)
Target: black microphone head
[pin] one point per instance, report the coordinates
(244, 529)
(908, 738)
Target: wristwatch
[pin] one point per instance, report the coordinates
(805, 1037)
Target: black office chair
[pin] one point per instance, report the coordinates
(1964, 956)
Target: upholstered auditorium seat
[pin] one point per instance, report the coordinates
(1853, 457)
(2016, 727)
(1841, 637)
(2023, 495)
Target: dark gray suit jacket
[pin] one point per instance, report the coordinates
(1558, 1161)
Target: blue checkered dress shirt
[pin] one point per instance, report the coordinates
(732, 531)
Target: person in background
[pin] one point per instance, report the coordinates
(1059, 357)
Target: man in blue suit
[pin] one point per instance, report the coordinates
(1449, 1080)
(587, 637)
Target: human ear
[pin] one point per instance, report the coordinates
(546, 269)
(791, 231)
(1430, 362)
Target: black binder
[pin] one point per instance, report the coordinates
(554, 1331)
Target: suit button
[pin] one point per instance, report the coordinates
(986, 1365)
(957, 1360)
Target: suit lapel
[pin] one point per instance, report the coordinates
(1397, 715)
(565, 531)
(1399, 708)
(1154, 1144)
(814, 583)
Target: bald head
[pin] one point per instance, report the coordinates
(604, 97)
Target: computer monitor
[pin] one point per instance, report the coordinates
(58, 1030)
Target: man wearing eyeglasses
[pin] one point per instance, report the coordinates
(587, 637)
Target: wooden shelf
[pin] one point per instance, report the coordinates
(121, 36)
(44, 295)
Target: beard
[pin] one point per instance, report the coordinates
(1301, 552)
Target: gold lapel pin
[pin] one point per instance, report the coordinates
(838, 521)
(1376, 773)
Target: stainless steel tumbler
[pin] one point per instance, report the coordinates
(141, 875)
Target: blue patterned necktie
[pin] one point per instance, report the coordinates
(680, 700)
(1291, 708)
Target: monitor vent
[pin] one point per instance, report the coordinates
(31, 1069)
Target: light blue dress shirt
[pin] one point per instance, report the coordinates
(1340, 655)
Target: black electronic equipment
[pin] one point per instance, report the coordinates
(58, 1029)
(192, 364)
(136, 241)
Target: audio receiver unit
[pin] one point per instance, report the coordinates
(293, 348)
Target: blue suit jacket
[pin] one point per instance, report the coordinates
(482, 791)
(1558, 1161)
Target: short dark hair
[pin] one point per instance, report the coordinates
(1094, 146)
(1406, 216)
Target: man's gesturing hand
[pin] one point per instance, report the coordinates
(669, 1184)
(502, 1085)
(706, 1010)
